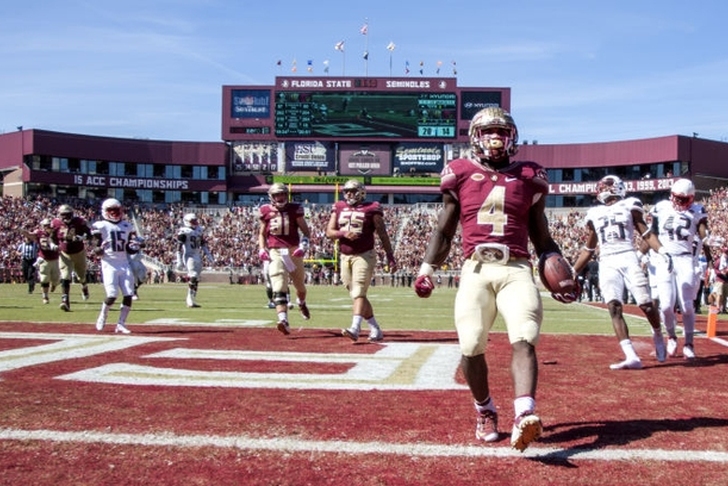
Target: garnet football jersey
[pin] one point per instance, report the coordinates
(70, 236)
(357, 219)
(282, 224)
(494, 205)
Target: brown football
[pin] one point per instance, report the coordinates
(556, 274)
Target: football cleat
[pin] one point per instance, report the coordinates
(688, 351)
(352, 334)
(627, 364)
(284, 328)
(305, 313)
(45, 300)
(100, 324)
(375, 335)
(64, 306)
(122, 329)
(672, 347)
(84, 292)
(271, 305)
(526, 429)
(486, 426)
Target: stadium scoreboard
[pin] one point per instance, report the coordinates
(355, 109)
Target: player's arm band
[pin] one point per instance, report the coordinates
(647, 231)
(426, 269)
(590, 250)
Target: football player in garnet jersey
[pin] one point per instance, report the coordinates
(499, 206)
(681, 224)
(353, 223)
(612, 225)
(71, 230)
(280, 243)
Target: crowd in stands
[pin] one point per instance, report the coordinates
(232, 232)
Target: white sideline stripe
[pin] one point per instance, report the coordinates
(284, 444)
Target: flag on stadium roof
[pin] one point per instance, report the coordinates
(364, 29)
(391, 46)
(339, 46)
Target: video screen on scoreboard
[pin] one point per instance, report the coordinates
(371, 115)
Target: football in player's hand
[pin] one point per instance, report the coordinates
(556, 274)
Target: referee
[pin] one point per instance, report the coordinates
(28, 251)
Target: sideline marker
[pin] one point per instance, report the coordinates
(712, 321)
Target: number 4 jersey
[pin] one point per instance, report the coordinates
(494, 205)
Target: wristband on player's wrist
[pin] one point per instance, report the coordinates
(426, 269)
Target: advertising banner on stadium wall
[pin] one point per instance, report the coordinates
(418, 158)
(310, 157)
(254, 157)
(125, 182)
(365, 159)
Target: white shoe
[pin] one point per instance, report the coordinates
(688, 351)
(627, 364)
(100, 325)
(375, 335)
(526, 429)
(352, 334)
(671, 347)
(121, 328)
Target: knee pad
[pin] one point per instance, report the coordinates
(126, 300)
(280, 298)
(109, 301)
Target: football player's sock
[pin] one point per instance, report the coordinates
(356, 322)
(485, 406)
(628, 350)
(524, 404)
(104, 311)
(123, 313)
(372, 321)
(283, 316)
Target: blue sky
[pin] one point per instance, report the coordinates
(580, 71)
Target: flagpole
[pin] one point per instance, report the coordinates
(366, 46)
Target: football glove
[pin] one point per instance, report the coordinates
(424, 286)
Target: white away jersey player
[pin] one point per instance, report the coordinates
(614, 225)
(191, 241)
(677, 230)
(618, 263)
(114, 261)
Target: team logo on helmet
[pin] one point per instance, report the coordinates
(610, 187)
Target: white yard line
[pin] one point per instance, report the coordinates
(288, 445)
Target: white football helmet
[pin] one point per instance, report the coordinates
(190, 220)
(682, 194)
(354, 192)
(278, 195)
(65, 213)
(111, 210)
(493, 134)
(610, 187)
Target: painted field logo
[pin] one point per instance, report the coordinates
(397, 366)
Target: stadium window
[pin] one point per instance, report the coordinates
(187, 172)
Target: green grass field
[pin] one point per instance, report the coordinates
(244, 305)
